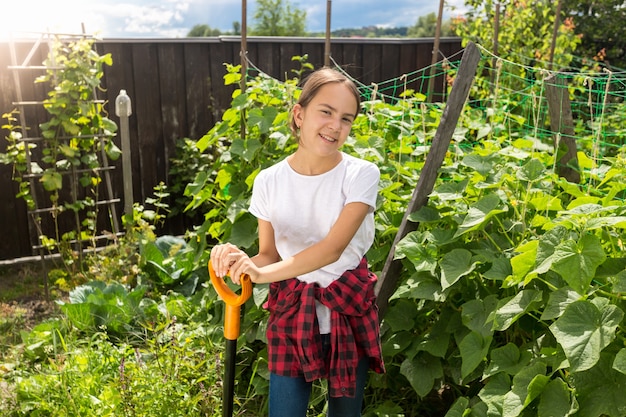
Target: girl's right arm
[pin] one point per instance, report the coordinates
(227, 256)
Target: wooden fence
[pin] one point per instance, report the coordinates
(177, 91)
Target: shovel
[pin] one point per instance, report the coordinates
(232, 318)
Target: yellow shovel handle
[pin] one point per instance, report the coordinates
(232, 300)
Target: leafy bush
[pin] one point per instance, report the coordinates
(175, 373)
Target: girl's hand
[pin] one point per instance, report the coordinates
(241, 264)
(220, 259)
(228, 259)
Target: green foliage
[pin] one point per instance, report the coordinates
(73, 138)
(97, 305)
(16, 154)
(202, 30)
(278, 18)
(513, 289)
(510, 300)
(225, 185)
(175, 373)
(523, 32)
(601, 28)
(511, 292)
(184, 166)
(426, 26)
(170, 264)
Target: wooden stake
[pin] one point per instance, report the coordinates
(388, 280)
(562, 125)
(555, 32)
(243, 59)
(327, 43)
(435, 56)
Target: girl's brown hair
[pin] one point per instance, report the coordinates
(317, 80)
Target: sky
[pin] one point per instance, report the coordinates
(174, 18)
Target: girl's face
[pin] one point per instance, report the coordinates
(326, 121)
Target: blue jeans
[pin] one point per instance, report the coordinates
(289, 397)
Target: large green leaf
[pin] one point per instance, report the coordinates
(510, 310)
(494, 392)
(422, 255)
(474, 348)
(81, 293)
(480, 163)
(244, 231)
(558, 301)
(556, 400)
(547, 245)
(449, 191)
(576, 262)
(422, 371)
(619, 364)
(52, 180)
(420, 286)
(528, 384)
(532, 170)
(480, 212)
(500, 269)
(524, 262)
(508, 358)
(475, 314)
(584, 330)
(401, 315)
(454, 265)
(600, 390)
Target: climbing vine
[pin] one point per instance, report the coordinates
(66, 160)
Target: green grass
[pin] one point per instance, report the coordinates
(21, 282)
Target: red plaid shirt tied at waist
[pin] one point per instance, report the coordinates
(295, 345)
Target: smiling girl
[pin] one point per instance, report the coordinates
(315, 212)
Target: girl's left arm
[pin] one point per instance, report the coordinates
(324, 252)
(267, 266)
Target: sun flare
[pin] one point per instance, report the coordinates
(29, 18)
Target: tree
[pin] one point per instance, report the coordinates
(206, 30)
(203, 30)
(600, 23)
(278, 18)
(525, 32)
(426, 26)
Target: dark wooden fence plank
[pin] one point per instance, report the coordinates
(220, 95)
(197, 74)
(351, 59)
(177, 90)
(147, 112)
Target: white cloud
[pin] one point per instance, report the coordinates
(152, 20)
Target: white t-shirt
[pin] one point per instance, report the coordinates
(303, 208)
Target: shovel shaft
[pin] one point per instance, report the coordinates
(229, 378)
(232, 324)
